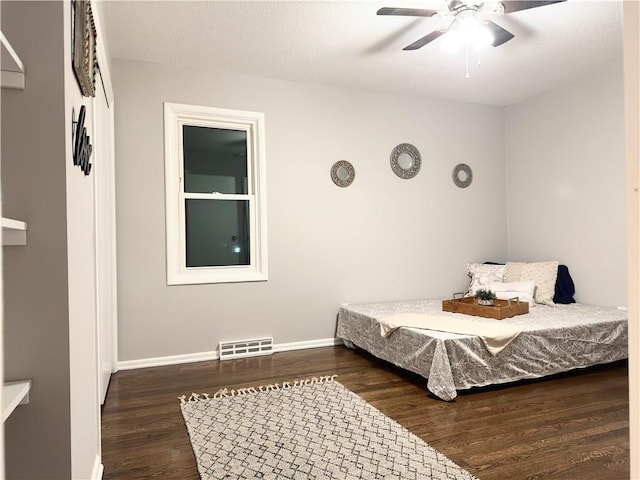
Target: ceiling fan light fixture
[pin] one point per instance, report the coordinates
(467, 30)
(470, 26)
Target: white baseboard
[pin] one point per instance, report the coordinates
(98, 469)
(170, 360)
(323, 342)
(213, 355)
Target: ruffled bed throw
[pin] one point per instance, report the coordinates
(494, 335)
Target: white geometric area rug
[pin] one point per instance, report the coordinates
(308, 429)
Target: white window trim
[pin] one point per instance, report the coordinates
(175, 116)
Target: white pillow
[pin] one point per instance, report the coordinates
(544, 275)
(482, 275)
(507, 290)
(513, 272)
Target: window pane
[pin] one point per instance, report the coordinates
(215, 160)
(217, 232)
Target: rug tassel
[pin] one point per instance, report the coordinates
(224, 392)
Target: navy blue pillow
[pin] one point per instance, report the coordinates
(565, 288)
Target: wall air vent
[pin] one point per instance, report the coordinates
(246, 348)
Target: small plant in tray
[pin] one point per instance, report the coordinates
(485, 297)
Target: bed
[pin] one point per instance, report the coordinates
(554, 339)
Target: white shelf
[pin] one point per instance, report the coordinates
(12, 75)
(14, 232)
(9, 224)
(14, 394)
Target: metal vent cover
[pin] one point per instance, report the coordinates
(246, 348)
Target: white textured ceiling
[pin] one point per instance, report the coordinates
(347, 44)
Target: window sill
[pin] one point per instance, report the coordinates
(202, 277)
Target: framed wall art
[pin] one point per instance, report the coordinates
(84, 47)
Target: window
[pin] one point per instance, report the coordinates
(215, 195)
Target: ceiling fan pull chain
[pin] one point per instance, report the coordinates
(467, 58)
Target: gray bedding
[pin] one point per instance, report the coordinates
(555, 339)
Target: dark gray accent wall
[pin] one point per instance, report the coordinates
(36, 320)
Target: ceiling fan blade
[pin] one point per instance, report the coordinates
(517, 5)
(500, 35)
(430, 37)
(409, 12)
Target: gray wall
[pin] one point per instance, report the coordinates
(565, 183)
(36, 322)
(382, 238)
(542, 168)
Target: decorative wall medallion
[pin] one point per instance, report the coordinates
(342, 173)
(84, 47)
(462, 175)
(405, 160)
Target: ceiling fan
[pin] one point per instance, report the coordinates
(467, 17)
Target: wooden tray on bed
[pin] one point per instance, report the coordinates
(500, 309)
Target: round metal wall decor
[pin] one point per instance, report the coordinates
(343, 173)
(462, 175)
(405, 160)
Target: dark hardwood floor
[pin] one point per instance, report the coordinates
(570, 426)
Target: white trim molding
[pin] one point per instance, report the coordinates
(323, 342)
(98, 469)
(168, 360)
(213, 355)
(176, 118)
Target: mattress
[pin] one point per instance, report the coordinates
(554, 339)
